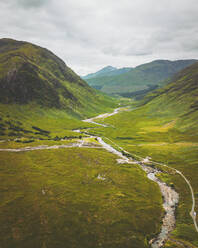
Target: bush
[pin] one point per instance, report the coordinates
(40, 131)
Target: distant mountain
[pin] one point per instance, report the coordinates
(107, 71)
(31, 74)
(140, 80)
(103, 71)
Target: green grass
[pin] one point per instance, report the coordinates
(54, 199)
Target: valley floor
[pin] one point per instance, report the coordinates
(52, 190)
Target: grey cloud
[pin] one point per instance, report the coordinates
(90, 34)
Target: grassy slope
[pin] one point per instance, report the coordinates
(166, 129)
(38, 89)
(18, 120)
(140, 78)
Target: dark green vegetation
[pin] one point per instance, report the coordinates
(56, 199)
(138, 81)
(31, 74)
(165, 128)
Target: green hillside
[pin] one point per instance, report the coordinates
(179, 99)
(140, 80)
(31, 74)
(37, 89)
(164, 127)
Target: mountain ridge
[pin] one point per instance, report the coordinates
(141, 79)
(107, 71)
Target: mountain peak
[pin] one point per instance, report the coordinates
(107, 71)
(108, 68)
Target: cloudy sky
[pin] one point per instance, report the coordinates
(91, 34)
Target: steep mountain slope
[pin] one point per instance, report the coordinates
(38, 90)
(29, 73)
(107, 71)
(141, 79)
(179, 98)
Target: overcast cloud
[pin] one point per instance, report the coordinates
(90, 34)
